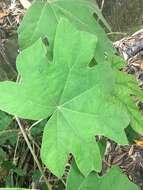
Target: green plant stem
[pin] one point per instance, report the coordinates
(32, 152)
(9, 131)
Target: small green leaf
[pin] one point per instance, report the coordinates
(113, 180)
(2, 155)
(116, 61)
(5, 120)
(19, 171)
(36, 175)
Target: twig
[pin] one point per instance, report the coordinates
(117, 33)
(37, 122)
(15, 151)
(32, 152)
(33, 141)
(101, 9)
(25, 3)
(9, 131)
(102, 5)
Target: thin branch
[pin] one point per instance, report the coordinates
(9, 131)
(101, 9)
(34, 124)
(117, 33)
(15, 151)
(102, 5)
(32, 152)
(25, 3)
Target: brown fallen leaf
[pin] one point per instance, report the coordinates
(3, 14)
(139, 142)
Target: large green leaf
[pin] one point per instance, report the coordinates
(42, 18)
(113, 180)
(79, 98)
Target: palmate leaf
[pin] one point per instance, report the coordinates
(33, 27)
(42, 18)
(127, 91)
(113, 180)
(80, 99)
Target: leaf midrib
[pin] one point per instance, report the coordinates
(38, 22)
(80, 94)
